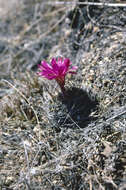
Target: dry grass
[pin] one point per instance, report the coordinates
(50, 142)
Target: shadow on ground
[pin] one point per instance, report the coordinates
(76, 108)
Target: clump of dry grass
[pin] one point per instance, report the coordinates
(51, 142)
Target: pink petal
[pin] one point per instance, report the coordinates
(72, 70)
(39, 73)
(45, 72)
(45, 65)
(62, 70)
(54, 65)
(48, 76)
(59, 62)
(62, 66)
(66, 62)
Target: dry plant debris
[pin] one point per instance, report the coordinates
(48, 142)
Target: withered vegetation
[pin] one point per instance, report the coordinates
(51, 142)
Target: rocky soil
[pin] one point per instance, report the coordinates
(51, 142)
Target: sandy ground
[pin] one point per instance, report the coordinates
(52, 142)
(7, 8)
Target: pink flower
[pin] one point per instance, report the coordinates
(57, 70)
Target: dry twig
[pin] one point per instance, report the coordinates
(87, 3)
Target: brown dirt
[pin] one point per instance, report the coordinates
(48, 142)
